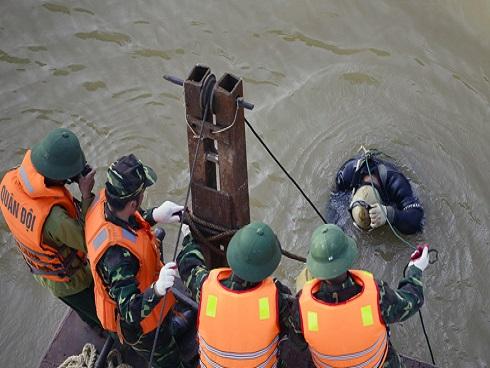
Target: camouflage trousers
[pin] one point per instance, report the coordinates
(84, 304)
(174, 349)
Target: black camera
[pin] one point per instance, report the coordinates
(87, 168)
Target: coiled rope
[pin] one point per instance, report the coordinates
(219, 233)
(88, 357)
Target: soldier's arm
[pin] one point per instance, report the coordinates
(148, 215)
(60, 229)
(118, 268)
(295, 333)
(85, 204)
(285, 303)
(192, 268)
(398, 305)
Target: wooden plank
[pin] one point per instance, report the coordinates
(414, 363)
(73, 334)
(69, 340)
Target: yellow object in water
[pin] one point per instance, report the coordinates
(362, 200)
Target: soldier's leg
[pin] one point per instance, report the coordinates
(84, 304)
(183, 327)
(167, 354)
(392, 358)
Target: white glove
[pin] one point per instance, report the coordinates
(167, 213)
(378, 215)
(185, 230)
(166, 279)
(423, 260)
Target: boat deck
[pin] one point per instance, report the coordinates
(73, 334)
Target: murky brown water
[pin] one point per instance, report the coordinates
(410, 78)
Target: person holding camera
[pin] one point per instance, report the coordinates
(46, 221)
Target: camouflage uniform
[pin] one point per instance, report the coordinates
(118, 269)
(193, 271)
(395, 305)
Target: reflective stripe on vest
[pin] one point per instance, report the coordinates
(25, 204)
(348, 334)
(208, 362)
(100, 235)
(238, 328)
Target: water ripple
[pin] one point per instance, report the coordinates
(308, 41)
(56, 8)
(119, 38)
(94, 86)
(12, 59)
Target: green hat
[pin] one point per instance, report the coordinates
(59, 155)
(127, 177)
(331, 252)
(254, 252)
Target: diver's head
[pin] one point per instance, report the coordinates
(362, 201)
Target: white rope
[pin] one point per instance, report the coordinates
(88, 357)
(85, 360)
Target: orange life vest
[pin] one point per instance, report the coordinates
(348, 334)
(238, 328)
(100, 235)
(26, 203)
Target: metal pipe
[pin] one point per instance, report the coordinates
(101, 359)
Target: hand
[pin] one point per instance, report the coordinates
(378, 213)
(167, 213)
(86, 184)
(166, 279)
(420, 258)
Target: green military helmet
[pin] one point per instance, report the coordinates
(254, 252)
(59, 155)
(331, 252)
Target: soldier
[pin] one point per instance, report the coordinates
(46, 221)
(398, 203)
(243, 311)
(344, 313)
(130, 280)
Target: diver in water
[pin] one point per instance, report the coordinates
(380, 192)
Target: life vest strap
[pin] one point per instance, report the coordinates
(317, 357)
(239, 356)
(209, 361)
(25, 249)
(382, 339)
(37, 266)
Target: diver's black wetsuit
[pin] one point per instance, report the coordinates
(394, 188)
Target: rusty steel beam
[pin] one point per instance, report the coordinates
(219, 185)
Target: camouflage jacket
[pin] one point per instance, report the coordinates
(193, 272)
(395, 305)
(118, 269)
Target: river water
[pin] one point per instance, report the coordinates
(410, 78)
